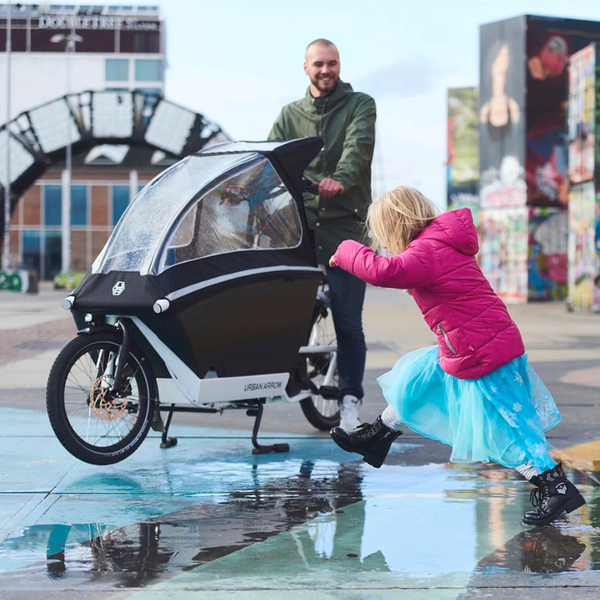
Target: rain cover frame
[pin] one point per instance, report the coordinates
(288, 159)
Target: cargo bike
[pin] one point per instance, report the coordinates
(207, 297)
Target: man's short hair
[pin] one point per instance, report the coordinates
(321, 42)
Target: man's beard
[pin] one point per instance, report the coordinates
(331, 83)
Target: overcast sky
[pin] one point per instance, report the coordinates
(239, 61)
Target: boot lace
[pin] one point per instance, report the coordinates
(538, 496)
(368, 430)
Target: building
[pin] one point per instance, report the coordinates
(120, 140)
(524, 187)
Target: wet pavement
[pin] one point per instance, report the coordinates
(208, 517)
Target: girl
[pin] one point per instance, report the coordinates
(474, 390)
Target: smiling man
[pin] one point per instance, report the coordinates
(346, 121)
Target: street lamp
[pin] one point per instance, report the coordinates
(6, 251)
(70, 40)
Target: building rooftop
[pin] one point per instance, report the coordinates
(88, 10)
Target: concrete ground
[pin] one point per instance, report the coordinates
(209, 516)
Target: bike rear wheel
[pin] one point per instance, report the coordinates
(322, 413)
(95, 424)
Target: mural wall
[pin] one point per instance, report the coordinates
(503, 251)
(529, 154)
(583, 167)
(501, 114)
(463, 150)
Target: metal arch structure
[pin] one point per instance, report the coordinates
(39, 137)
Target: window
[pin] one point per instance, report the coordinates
(52, 253)
(117, 69)
(250, 211)
(79, 195)
(120, 201)
(52, 205)
(148, 70)
(32, 249)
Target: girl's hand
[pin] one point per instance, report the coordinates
(332, 262)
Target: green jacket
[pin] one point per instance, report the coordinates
(346, 121)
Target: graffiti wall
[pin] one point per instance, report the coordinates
(501, 114)
(530, 154)
(581, 115)
(547, 254)
(550, 43)
(465, 196)
(503, 254)
(463, 150)
(583, 247)
(584, 217)
(463, 136)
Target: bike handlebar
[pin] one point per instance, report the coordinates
(310, 187)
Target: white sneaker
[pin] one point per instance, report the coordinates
(349, 413)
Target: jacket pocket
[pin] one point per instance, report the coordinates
(443, 332)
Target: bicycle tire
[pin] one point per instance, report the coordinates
(83, 359)
(321, 413)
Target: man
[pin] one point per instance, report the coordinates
(346, 121)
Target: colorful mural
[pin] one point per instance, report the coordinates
(581, 114)
(530, 155)
(503, 254)
(550, 43)
(463, 136)
(584, 210)
(465, 196)
(584, 293)
(463, 150)
(547, 254)
(501, 116)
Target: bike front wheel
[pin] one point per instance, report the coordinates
(94, 423)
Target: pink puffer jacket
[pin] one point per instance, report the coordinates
(475, 332)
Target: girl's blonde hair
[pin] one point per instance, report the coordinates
(398, 217)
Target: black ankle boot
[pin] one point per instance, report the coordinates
(372, 441)
(554, 494)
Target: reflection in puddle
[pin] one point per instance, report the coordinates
(416, 521)
(540, 550)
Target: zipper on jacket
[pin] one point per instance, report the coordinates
(446, 338)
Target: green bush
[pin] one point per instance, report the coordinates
(68, 280)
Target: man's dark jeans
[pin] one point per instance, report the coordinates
(347, 294)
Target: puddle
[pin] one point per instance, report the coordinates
(413, 523)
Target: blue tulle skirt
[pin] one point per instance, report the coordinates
(500, 417)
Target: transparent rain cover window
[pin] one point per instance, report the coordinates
(251, 210)
(147, 220)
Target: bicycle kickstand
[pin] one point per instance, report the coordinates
(168, 442)
(258, 448)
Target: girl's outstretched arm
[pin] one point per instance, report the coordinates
(411, 269)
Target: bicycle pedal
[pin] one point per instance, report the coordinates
(329, 392)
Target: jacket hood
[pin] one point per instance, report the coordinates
(456, 229)
(341, 92)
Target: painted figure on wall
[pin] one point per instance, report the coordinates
(501, 122)
(500, 111)
(552, 59)
(547, 143)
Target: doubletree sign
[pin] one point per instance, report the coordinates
(95, 22)
(14, 281)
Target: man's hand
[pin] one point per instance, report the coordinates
(328, 188)
(332, 262)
